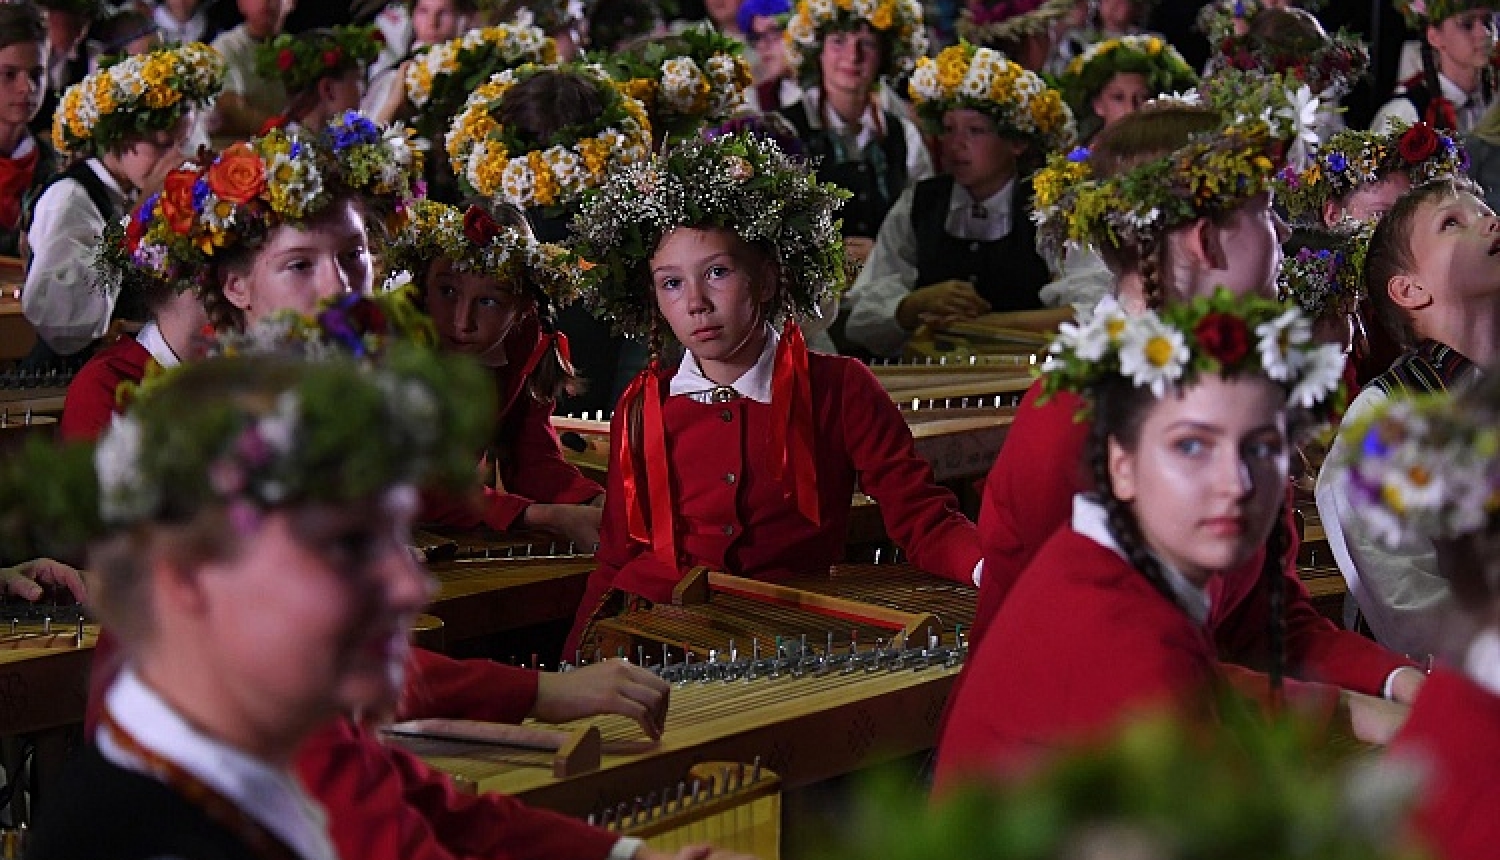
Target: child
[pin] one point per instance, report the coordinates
(760, 21)
(1434, 284)
(184, 21)
(322, 70)
(1360, 174)
(259, 588)
(1449, 737)
(26, 161)
(962, 244)
(1455, 86)
(1191, 425)
(130, 133)
(493, 293)
(1111, 79)
(68, 23)
(840, 57)
(742, 458)
(1026, 31)
(250, 97)
(425, 22)
(1157, 160)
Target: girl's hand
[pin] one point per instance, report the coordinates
(578, 523)
(1372, 720)
(610, 687)
(27, 581)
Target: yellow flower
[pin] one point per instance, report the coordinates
(156, 71)
(595, 156)
(1153, 46)
(952, 65)
(545, 190)
(487, 173)
(161, 97)
(884, 15)
(846, 5)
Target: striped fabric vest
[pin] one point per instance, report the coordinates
(1426, 368)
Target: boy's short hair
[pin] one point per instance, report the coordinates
(1390, 253)
(21, 23)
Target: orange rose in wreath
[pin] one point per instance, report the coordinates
(238, 175)
(177, 200)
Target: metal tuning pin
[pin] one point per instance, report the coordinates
(877, 555)
(78, 634)
(640, 655)
(47, 626)
(755, 771)
(734, 652)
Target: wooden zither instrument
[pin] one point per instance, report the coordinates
(46, 651)
(815, 677)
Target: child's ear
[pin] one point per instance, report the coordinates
(237, 289)
(1202, 244)
(1121, 471)
(1408, 293)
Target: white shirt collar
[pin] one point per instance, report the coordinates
(754, 384)
(1452, 92)
(24, 147)
(996, 223)
(150, 338)
(270, 796)
(869, 121)
(107, 178)
(1091, 521)
(999, 201)
(1482, 663)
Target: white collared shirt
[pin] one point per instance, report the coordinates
(995, 224)
(755, 384)
(918, 162)
(270, 796)
(1468, 107)
(1091, 521)
(150, 338)
(174, 31)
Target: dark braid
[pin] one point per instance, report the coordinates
(1111, 412)
(1151, 281)
(1273, 572)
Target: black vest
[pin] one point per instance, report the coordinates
(876, 177)
(1007, 272)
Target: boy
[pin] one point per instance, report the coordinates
(1435, 283)
(1454, 88)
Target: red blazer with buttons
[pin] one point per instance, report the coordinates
(92, 395)
(732, 516)
(532, 467)
(1453, 733)
(386, 804)
(1029, 496)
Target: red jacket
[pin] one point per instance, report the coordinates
(532, 468)
(386, 804)
(1453, 732)
(732, 516)
(92, 395)
(1029, 496)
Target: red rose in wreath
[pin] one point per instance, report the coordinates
(332, 57)
(1418, 143)
(177, 200)
(1223, 336)
(479, 227)
(285, 59)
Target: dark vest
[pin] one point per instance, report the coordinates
(1429, 367)
(99, 809)
(876, 176)
(1007, 272)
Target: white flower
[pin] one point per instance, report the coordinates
(1322, 369)
(1097, 329)
(1278, 340)
(397, 280)
(820, 10)
(976, 83)
(1300, 118)
(518, 183)
(1153, 353)
(279, 428)
(123, 494)
(924, 83)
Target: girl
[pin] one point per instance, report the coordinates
(1450, 735)
(26, 162)
(1455, 86)
(1025, 31)
(323, 71)
(493, 293)
(1191, 414)
(1112, 79)
(959, 245)
(1170, 228)
(717, 461)
(258, 586)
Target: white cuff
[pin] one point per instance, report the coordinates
(978, 572)
(1388, 689)
(625, 849)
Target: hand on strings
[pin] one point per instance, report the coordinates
(29, 581)
(1374, 720)
(940, 303)
(611, 687)
(578, 523)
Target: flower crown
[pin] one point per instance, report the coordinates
(1213, 172)
(740, 182)
(695, 78)
(1418, 14)
(1331, 70)
(900, 21)
(332, 431)
(1327, 272)
(1222, 334)
(982, 79)
(1217, 19)
(1424, 466)
(139, 95)
(476, 243)
(440, 77)
(499, 163)
(1151, 57)
(1352, 158)
(301, 60)
(205, 211)
(348, 325)
(1007, 20)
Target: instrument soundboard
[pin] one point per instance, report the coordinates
(1014, 333)
(46, 652)
(483, 596)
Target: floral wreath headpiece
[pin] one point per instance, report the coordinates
(982, 79)
(1221, 334)
(740, 182)
(1003, 21)
(1262, 123)
(695, 78)
(137, 96)
(349, 325)
(899, 22)
(1423, 466)
(1326, 274)
(441, 76)
(497, 162)
(300, 60)
(333, 431)
(249, 189)
(1419, 14)
(1352, 158)
(1330, 71)
(1218, 19)
(1151, 57)
(476, 243)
